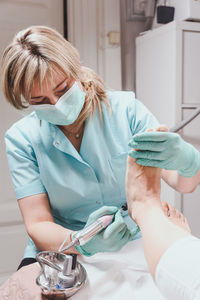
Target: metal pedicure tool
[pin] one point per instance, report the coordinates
(54, 264)
(83, 236)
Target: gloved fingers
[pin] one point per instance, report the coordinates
(84, 251)
(127, 236)
(116, 237)
(124, 233)
(116, 232)
(152, 136)
(116, 226)
(149, 155)
(134, 231)
(153, 163)
(105, 210)
(150, 146)
(122, 240)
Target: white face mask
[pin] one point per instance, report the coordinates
(66, 110)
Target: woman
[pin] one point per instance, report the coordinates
(68, 158)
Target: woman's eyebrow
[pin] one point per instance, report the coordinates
(53, 89)
(59, 84)
(36, 97)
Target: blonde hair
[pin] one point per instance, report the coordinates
(36, 52)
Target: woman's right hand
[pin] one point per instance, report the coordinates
(112, 238)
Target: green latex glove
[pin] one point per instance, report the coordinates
(112, 238)
(165, 150)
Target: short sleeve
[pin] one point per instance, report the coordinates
(140, 117)
(23, 164)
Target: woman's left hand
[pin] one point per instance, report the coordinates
(165, 150)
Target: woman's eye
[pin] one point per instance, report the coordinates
(43, 101)
(63, 90)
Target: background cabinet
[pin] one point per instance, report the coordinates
(168, 83)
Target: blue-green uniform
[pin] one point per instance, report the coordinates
(42, 160)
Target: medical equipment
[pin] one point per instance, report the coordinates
(83, 236)
(58, 277)
(124, 207)
(183, 123)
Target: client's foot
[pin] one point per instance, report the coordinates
(175, 216)
(142, 187)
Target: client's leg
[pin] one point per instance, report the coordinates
(143, 198)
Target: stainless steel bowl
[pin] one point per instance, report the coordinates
(51, 264)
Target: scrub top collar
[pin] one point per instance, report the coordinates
(62, 143)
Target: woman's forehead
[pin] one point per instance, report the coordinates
(50, 81)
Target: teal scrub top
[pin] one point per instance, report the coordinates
(42, 160)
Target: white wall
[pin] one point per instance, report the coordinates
(14, 16)
(89, 23)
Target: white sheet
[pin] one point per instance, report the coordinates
(116, 276)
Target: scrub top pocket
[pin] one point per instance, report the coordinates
(118, 166)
